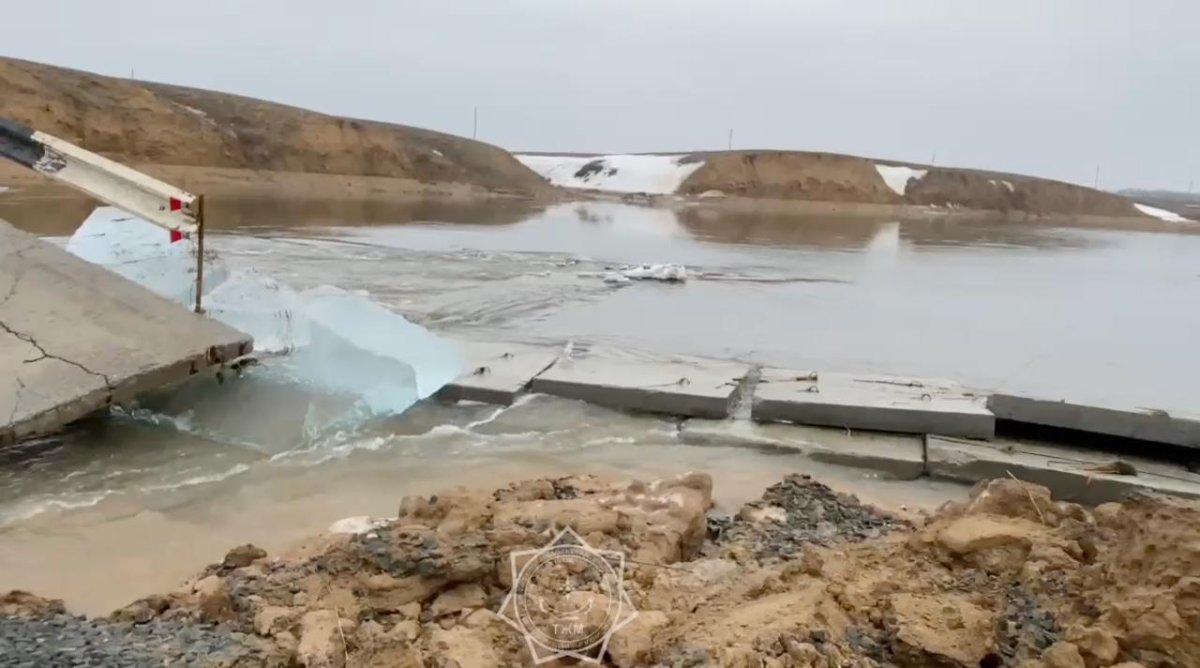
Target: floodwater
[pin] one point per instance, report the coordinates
(124, 506)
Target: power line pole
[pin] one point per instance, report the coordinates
(933, 160)
(730, 146)
(1096, 185)
(475, 125)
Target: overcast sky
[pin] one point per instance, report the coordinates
(1044, 87)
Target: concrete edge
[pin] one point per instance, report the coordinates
(161, 376)
(637, 399)
(1158, 427)
(457, 391)
(876, 418)
(1067, 484)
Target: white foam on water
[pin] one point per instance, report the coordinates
(197, 480)
(651, 174)
(356, 525)
(897, 177)
(33, 507)
(1162, 214)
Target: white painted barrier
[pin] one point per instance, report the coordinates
(111, 182)
(179, 212)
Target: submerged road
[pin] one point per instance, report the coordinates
(75, 338)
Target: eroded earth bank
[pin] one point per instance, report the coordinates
(802, 577)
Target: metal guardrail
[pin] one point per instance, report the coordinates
(176, 210)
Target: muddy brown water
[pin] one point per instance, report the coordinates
(131, 504)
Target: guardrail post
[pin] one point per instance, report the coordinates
(199, 252)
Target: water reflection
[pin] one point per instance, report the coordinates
(49, 211)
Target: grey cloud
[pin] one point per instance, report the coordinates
(1051, 88)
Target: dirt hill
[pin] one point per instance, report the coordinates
(830, 177)
(148, 123)
(803, 578)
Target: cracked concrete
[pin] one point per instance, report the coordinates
(76, 338)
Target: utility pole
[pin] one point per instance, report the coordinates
(1096, 184)
(475, 124)
(933, 160)
(730, 146)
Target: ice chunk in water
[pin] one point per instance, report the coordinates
(339, 343)
(143, 253)
(359, 323)
(261, 307)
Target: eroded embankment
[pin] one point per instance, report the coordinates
(145, 123)
(804, 577)
(829, 177)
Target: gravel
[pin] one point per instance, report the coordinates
(812, 513)
(69, 642)
(1026, 629)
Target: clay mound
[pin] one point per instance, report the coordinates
(1010, 577)
(139, 122)
(821, 177)
(829, 177)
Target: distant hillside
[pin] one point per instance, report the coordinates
(834, 177)
(826, 177)
(141, 122)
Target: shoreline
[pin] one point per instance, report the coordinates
(800, 576)
(222, 183)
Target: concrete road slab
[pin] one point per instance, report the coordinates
(498, 373)
(75, 338)
(690, 388)
(877, 403)
(899, 456)
(1146, 424)
(1072, 474)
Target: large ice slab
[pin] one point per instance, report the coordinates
(143, 253)
(360, 345)
(330, 340)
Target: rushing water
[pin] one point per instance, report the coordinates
(130, 504)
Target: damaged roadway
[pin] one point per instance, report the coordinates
(75, 338)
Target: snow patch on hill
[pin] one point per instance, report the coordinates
(1162, 214)
(652, 174)
(897, 178)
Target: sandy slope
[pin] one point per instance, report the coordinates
(799, 176)
(139, 122)
(802, 578)
(843, 178)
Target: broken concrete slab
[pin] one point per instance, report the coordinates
(75, 338)
(876, 403)
(684, 387)
(900, 456)
(1072, 474)
(498, 373)
(1145, 424)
